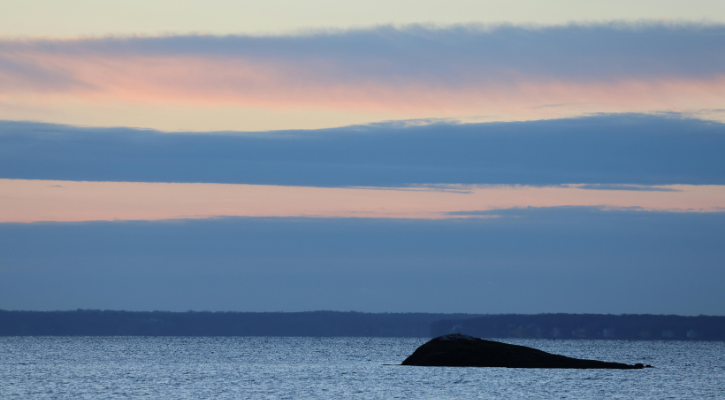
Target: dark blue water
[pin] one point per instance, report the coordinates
(299, 368)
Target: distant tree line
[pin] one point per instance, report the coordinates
(587, 326)
(333, 323)
(157, 323)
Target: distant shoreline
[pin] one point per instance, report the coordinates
(357, 324)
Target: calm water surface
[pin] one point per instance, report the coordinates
(298, 368)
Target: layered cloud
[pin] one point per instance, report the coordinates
(460, 72)
(556, 207)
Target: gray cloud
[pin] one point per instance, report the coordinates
(455, 55)
(638, 188)
(19, 73)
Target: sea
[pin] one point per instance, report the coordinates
(339, 368)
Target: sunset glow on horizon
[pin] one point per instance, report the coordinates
(72, 201)
(398, 143)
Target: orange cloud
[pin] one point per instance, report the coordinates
(65, 201)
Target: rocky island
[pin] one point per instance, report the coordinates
(457, 350)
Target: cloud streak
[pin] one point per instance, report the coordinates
(413, 71)
(68, 201)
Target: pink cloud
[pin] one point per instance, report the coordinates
(415, 72)
(214, 81)
(37, 200)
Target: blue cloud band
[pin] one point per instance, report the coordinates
(607, 149)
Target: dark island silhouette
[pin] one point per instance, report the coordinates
(457, 350)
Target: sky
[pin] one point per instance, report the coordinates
(459, 156)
